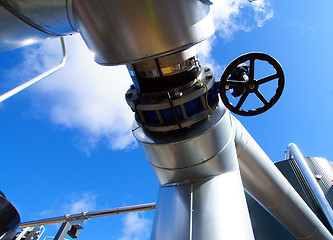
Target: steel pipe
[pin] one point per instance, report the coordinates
(88, 215)
(115, 31)
(272, 190)
(127, 31)
(24, 22)
(201, 194)
(293, 151)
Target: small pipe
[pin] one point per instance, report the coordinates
(292, 150)
(88, 215)
(28, 83)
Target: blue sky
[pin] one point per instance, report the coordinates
(66, 144)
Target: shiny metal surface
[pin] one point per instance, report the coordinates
(117, 31)
(270, 188)
(15, 34)
(180, 98)
(201, 196)
(23, 23)
(202, 151)
(220, 209)
(173, 211)
(88, 215)
(47, 16)
(158, 103)
(209, 209)
(293, 151)
(27, 84)
(125, 31)
(168, 65)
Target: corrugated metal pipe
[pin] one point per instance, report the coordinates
(272, 190)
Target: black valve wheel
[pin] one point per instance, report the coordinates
(248, 84)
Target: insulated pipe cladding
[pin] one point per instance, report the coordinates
(204, 156)
(201, 194)
(116, 31)
(273, 191)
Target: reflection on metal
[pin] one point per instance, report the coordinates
(24, 22)
(47, 16)
(127, 31)
(167, 65)
(268, 186)
(199, 162)
(117, 31)
(201, 193)
(183, 101)
(182, 160)
(293, 151)
(209, 209)
(88, 215)
(27, 84)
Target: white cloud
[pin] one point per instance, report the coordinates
(83, 95)
(71, 204)
(231, 16)
(83, 203)
(263, 11)
(135, 227)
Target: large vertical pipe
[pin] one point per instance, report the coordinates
(201, 194)
(272, 190)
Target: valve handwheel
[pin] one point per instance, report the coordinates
(248, 84)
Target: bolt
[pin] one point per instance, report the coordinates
(207, 69)
(198, 85)
(318, 176)
(132, 86)
(252, 86)
(178, 94)
(209, 76)
(129, 94)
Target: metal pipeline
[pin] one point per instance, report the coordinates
(271, 189)
(88, 215)
(201, 194)
(293, 151)
(24, 23)
(115, 31)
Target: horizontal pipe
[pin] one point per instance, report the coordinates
(272, 190)
(311, 180)
(88, 215)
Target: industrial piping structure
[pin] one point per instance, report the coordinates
(202, 156)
